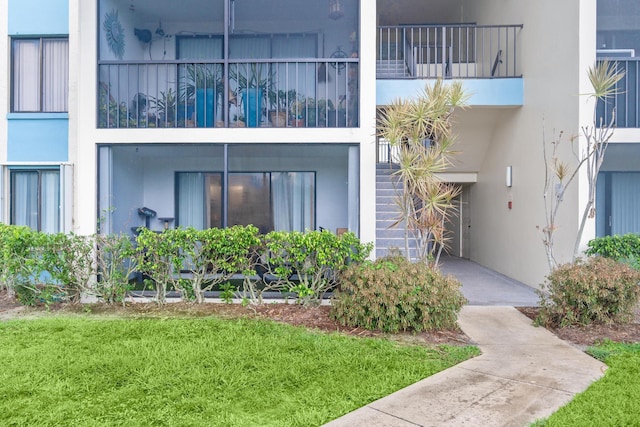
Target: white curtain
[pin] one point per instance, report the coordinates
(55, 71)
(33, 78)
(24, 203)
(36, 200)
(191, 200)
(26, 75)
(292, 199)
(50, 201)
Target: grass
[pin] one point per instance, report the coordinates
(614, 400)
(87, 371)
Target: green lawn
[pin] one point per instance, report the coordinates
(196, 372)
(612, 401)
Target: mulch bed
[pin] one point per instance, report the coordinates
(310, 317)
(318, 318)
(584, 336)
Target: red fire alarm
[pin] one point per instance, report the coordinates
(510, 204)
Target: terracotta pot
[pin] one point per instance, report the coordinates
(278, 118)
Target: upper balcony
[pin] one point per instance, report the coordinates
(623, 108)
(451, 51)
(228, 63)
(485, 57)
(422, 40)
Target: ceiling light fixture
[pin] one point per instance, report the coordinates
(336, 9)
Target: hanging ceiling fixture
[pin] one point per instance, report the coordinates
(132, 8)
(336, 9)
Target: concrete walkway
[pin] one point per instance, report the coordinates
(483, 286)
(524, 373)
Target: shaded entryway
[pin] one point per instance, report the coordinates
(483, 286)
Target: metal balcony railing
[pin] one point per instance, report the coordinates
(625, 104)
(460, 51)
(256, 93)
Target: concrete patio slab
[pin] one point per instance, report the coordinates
(483, 286)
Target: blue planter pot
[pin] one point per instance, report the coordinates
(205, 107)
(252, 102)
(185, 112)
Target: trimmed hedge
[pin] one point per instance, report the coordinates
(46, 267)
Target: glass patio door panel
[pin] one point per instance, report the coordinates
(213, 199)
(249, 201)
(293, 200)
(199, 199)
(283, 201)
(191, 199)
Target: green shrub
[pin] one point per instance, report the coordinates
(115, 262)
(618, 247)
(18, 260)
(39, 295)
(160, 256)
(309, 263)
(598, 290)
(215, 255)
(393, 294)
(67, 258)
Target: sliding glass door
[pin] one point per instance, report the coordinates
(283, 201)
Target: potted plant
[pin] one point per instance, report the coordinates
(316, 112)
(279, 103)
(253, 81)
(165, 107)
(297, 110)
(203, 85)
(337, 117)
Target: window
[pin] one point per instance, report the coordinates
(35, 199)
(40, 75)
(283, 201)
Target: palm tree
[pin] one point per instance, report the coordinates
(421, 129)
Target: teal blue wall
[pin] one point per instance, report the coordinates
(38, 137)
(483, 92)
(38, 17)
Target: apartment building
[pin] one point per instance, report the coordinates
(122, 113)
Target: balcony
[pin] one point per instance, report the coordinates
(225, 63)
(261, 93)
(623, 107)
(453, 51)
(485, 57)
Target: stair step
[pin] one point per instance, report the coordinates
(386, 216)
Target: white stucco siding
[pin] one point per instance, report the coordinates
(557, 44)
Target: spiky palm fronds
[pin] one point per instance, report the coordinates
(604, 77)
(422, 129)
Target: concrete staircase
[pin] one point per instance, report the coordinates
(387, 212)
(391, 68)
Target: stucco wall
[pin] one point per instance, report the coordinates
(557, 44)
